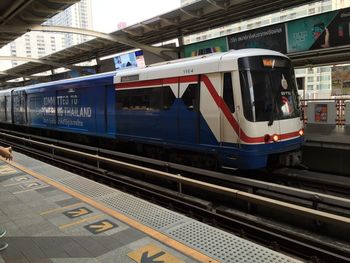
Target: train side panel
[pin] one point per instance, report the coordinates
(86, 107)
(168, 111)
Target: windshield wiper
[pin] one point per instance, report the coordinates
(272, 117)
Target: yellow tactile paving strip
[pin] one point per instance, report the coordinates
(188, 251)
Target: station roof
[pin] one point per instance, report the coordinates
(27, 13)
(196, 17)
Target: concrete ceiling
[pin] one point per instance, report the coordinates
(26, 13)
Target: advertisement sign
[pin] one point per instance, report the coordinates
(340, 29)
(321, 113)
(340, 80)
(326, 30)
(269, 37)
(206, 47)
(133, 60)
(321, 31)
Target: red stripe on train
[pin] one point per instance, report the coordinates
(156, 82)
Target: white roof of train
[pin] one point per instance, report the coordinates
(195, 65)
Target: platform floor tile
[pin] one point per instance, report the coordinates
(49, 224)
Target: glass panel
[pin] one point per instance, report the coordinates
(190, 96)
(228, 92)
(269, 91)
(147, 99)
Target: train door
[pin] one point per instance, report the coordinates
(8, 107)
(19, 103)
(2, 109)
(188, 111)
(228, 112)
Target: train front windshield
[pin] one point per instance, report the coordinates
(268, 88)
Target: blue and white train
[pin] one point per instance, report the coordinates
(237, 109)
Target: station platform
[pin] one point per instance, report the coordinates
(52, 215)
(328, 136)
(327, 148)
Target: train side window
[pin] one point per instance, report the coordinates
(228, 92)
(155, 99)
(190, 96)
(168, 98)
(149, 99)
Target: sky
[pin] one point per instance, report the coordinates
(106, 14)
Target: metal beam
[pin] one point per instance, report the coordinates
(131, 32)
(159, 51)
(61, 1)
(150, 28)
(193, 14)
(42, 61)
(218, 5)
(167, 21)
(28, 17)
(17, 9)
(41, 8)
(18, 75)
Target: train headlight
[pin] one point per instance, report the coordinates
(301, 132)
(275, 138)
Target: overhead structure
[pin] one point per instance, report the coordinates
(43, 62)
(196, 17)
(329, 56)
(27, 13)
(24, 14)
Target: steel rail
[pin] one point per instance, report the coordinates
(315, 197)
(233, 193)
(298, 243)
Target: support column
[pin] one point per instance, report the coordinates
(181, 45)
(98, 60)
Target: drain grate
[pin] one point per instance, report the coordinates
(223, 246)
(146, 213)
(89, 188)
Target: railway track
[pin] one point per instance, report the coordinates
(246, 206)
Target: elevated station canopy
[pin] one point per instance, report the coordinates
(197, 17)
(27, 13)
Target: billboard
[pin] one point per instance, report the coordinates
(129, 60)
(340, 80)
(326, 30)
(310, 33)
(269, 37)
(206, 47)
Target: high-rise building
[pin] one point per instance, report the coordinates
(317, 80)
(78, 15)
(39, 44)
